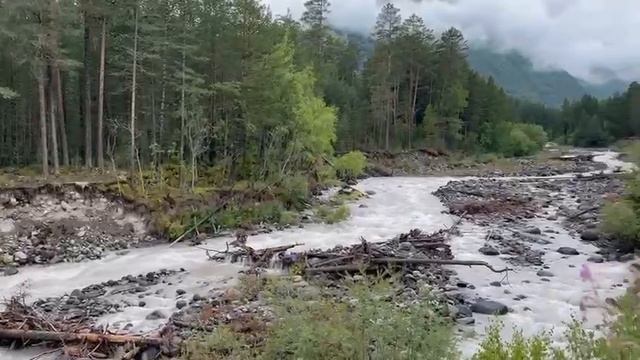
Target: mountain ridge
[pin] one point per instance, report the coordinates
(519, 78)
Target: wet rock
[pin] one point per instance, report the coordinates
(626, 257)
(489, 307)
(534, 231)
(11, 270)
(489, 250)
(142, 304)
(197, 297)
(181, 303)
(565, 250)
(596, 259)
(466, 321)
(589, 235)
(544, 273)
(151, 353)
(20, 257)
(180, 292)
(463, 311)
(495, 283)
(156, 315)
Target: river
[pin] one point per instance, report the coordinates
(399, 204)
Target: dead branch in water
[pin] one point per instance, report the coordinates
(373, 264)
(577, 215)
(58, 336)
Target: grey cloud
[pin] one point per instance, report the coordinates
(580, 36)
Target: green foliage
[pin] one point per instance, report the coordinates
(333, 215)
(519, 348)
(371, 326)
(294, 192)
(622, 341)
(350, 165)
(222, 343)
(7, 94)
(535, 133)
(621, 220)
(517, 139)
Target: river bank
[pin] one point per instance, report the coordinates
(395, 206)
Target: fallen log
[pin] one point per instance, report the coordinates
(54, 336)
(374, 263)
(577, 215)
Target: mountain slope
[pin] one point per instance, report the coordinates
(517, 76)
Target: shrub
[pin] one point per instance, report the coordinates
(620, 220)
(350, 165)
(222, 343)
(519, 348)
(267, 212)
(535, 133)
(288, 218)
(520, 144)
(333, 215)
(487, 158)
(294, 191)
(371, 326)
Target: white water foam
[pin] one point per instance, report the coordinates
(399, 204)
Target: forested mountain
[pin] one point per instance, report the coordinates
(223, 85)
(519, 78)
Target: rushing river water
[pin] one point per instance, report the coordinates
(399, 204)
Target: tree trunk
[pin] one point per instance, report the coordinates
(87, 95)
(43, 123)
(61, 115)
(52, 119)
(100, 136)
(182, 119)
(132, 127)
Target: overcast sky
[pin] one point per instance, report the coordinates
(592, 39)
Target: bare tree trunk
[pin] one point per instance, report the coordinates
(52, 119)
(132, 128)
(55, 87)
(61, 115)
(43, 122)
(87, 95)
(182, 119)
(100, 134)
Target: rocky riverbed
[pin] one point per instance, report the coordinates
(551, 162)
(526, 224)
(50, 225)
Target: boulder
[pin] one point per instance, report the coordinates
(626, 257)
(565, 250)
(20, 257)
(489, 307)
(156, 315)
(11, 270)
(181, 303)
(466, 321)
(489, 250)
(534, 231)
(463, 311)
(544, 273)
(596, 259)
(589, 235)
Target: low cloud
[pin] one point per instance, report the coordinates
(592, 39)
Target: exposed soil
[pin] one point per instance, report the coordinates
(67, 223)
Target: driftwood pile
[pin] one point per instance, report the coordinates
(406, 251)
(22, 325)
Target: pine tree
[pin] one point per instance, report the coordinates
(315, 19)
